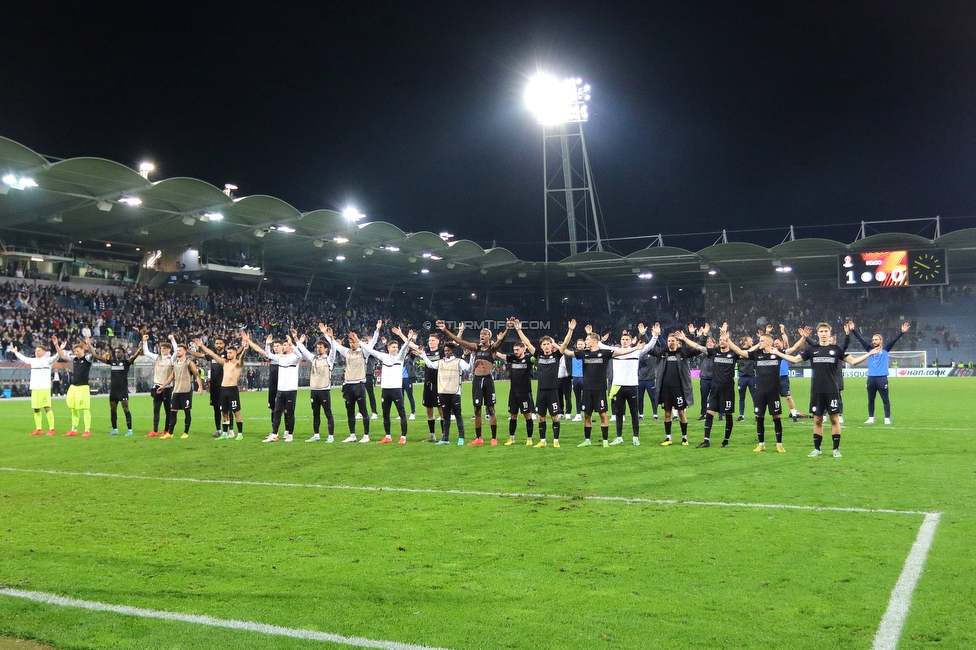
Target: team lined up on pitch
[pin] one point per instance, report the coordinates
(447, 357)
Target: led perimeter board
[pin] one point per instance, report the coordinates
(892, 269)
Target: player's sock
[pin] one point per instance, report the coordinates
(114, 417)
(38, 423)
(778, 428)
(75, 416)
(728, 428)
(709, 419)
(494, 430)
(240, 427)
(667, 428)
(542, 429)
(186, 421)
(836, 438)
(555, 430)
(529, 428)
(587, 431)
(477, 432)
(761, 429)
(512, 427)
(430, 425)
(606, 432)
(684, 429)
(50, 420)
(224, 427)
(217, 419)
(86, 416)
(817, 441)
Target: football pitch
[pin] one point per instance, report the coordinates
(200, 543)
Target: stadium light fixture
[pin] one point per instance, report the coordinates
(37, 259)
(645, 275)
(131, 200)
(391, 248)
(146, 168)
(340, 258)
(446, 235)
(557, 102)
(285, 229)
(352, 214)
(18, 183)
(211, 216)
(427, 255)
(229, 189)
(784, 269)
(712, 272)
(425, 271)
(340, 240)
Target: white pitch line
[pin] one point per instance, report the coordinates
(889, 631)
(530, 495)
(247, 626)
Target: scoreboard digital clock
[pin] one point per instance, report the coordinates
(892, 269)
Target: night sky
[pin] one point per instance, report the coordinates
(705, 115)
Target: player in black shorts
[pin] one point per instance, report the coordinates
(520, 390)
(721, 397)
(429, 399)
(767, 395)
(673, 379)
(482, 383)
(548, 399)
(596, 363)
(824, 388)
(118, 392)
(216, 378)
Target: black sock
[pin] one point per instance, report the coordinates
(778, 428)
(836, 439)
(667, 428)
(477, 432)
(761, 429)
(512, 426)
(494, 430)
(529, 428)
(728, 428)
(542, 429)
(128, 419)
(555, 430)
(684, 430)
(240, 427)
(709, 419)
(430, 426)
(606, 432)
(817, 440)
(587, 431)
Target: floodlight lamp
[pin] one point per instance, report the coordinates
(557, 102)
(393, 249)
(340, 258)
(131, 200)
(37, 259)
(286, 229)
(425, 271)
(212, 216)
(340, 240)
(411, 259)
(427, 255)
(446, 235)
(146, 168)
(9, 179)
(712, 272)
(368, 251)
(20, 183)
(645, 275)
(436, 257)
(352, 214)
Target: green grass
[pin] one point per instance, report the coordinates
(463, 570)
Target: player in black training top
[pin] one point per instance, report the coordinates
(118, 392)
(547, 401)
(824, 389)
(596, 363)
(520, 389)
(434, 352)
(767, 395)
(673, 379)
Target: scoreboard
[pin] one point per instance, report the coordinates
(892, 269)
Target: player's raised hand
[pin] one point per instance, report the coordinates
(441, 325)
(572, 324)
(769, 328)
(705, 329)
(641, 329)
(518, 324)
(323, 328)
(396, 330)
(905, 327)
(656, 329)
(588, 329)
(379, 324)
(268, 340)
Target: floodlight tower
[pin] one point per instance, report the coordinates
(560, 107)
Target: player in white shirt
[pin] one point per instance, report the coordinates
(287, 395)
(40, 386)
(391, 381)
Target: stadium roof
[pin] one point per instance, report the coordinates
(91, 199)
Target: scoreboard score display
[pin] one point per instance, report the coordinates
(892, 269)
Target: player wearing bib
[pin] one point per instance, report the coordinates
(548, 401)
(482, 384)
(624, 384)
(79, 393)
(391, 382)
(767, 392)
(449, 370)
(596, 363)
(354, 380)
(673, 378)
(230, 398)
(40, 386)
(185, 375)
(118, 392)
(162, 387)
(430, 399)
(878, 370)
(826, 359)
(320, 383)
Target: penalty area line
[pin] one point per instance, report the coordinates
(246, 626)
(889, 631)
(479, 493)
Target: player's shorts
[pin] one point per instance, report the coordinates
(594, 401)
(429, 399)
(181, 401)
(483, 391)
(118, 395)
(41, 398)
(285, 401)
(767, 401)
(78, 397)
(547, 401)
(825, 404)
(672, 397)
(215, 395)
(784, 386)
(520, 403)
(321, 398)
(721, 399)
(230, 399)
(449, 403)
